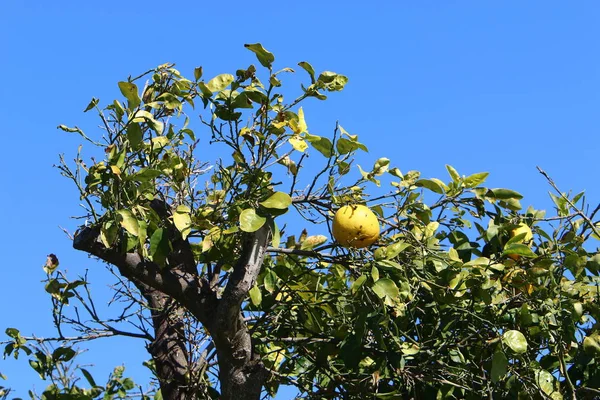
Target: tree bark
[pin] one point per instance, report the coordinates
(241, 372)
(168, 349)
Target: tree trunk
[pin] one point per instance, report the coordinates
(241, 373)
(168, 349)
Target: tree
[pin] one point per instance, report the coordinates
(464, 295)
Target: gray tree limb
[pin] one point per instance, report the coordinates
(241, 372)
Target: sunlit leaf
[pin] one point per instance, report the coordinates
(270, 280)
(298, 125)
(515, 340)
(386, 287)
(322, 144)
(298, 144)
(250, 221)
(219, 82)
(92, 104)
(313, 241)
(265, 57)
(475, 179)
(255, 295)
(431, 185)
(504, 194)
(453, 173)
(129, 222)
(545, 381)
(183, 220)
(278, 200)
(144, 175)
(197, 73)
(308, 68)
(358, 283)
(130, 91)
(519, 249)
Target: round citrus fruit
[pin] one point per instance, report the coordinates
(522, 228)
(355, 226)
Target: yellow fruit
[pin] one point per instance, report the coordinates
(355, 226)
(522, 228)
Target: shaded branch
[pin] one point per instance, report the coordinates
(185, 287)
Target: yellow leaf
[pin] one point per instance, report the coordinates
(299, 126)
(115, 170)
(279, 124)
(298, 144)
(182, 220)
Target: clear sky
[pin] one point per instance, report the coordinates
(481, 85)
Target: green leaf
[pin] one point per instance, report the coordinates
(515, 340)
(308, 68)
(511, 204)
(270, 280)
(242, 101)
(331, 81)
(386, 287)
(476, 179)
(381, 165)
(250, 221)
(431, 185)
(545, 381)
(499, 366)
(391, 251)
(63, 354)
(276, 234)
(453, 173)
(129, 222)
(88, 377)
(206, 92)
(144, 175)
(170, 100)
(219, 82)
(130, 91)
(345, 146)
(134, 135)
(278, 200)
(374, 273)
(159, 247)
(92, 104)
(322, 144)
(265, 57)
(159, 142)
(561, 204)
(12, 332)
(357, 284)
(183, 220)
(145, 116)
(255, 295)
(504, 194)
(519, 249)
(197, 73)
(313, 241)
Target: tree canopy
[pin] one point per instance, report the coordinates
(228, 269)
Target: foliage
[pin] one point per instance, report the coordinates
(436, 308)
(57, 366)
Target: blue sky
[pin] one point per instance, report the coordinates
(483, 86)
